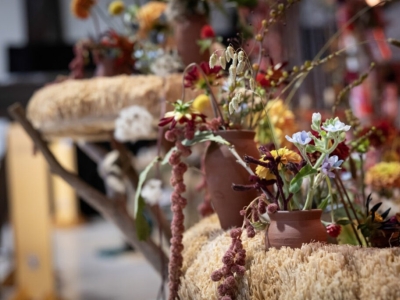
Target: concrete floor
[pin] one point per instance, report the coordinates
(84, 274)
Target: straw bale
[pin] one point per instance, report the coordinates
(87, 108)
(316, 271)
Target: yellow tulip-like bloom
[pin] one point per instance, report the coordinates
(285, 156)
(81, 8)
(116, 7)
(282, 120)
(384, 175)
(149, 14)
(202, 104)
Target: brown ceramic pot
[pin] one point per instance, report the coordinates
(187, 33)
(293, 228)
(222, 170)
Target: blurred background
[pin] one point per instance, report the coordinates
(90, 258)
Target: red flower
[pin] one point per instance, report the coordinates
(273, 74)
(193, 77)
(382, 135)
(333, 230)
(207, 32)
(182, 114)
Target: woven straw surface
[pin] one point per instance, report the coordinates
(87, 108)
(315, 271)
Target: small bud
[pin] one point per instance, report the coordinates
(281, 7)
(295, 69)
(272, 13)
(285, 74)
(259, 38)
(222, 61)
(230, 51)
(240, 67)
(264, 23)
(256, 67)
(213, 60)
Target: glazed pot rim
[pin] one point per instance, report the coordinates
(295, 215)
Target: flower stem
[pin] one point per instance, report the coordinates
(328, 182)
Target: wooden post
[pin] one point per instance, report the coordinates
(28, 179)
(65, 202)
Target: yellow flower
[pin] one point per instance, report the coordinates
(282, 120)
(384, 175)
(149, 14)
(286, 156)
(116, 7)
(202, 104)
(81, 8)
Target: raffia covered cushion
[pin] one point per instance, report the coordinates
(315, 271)
(87, 108)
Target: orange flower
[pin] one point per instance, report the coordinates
(149, 14)
(81, 8)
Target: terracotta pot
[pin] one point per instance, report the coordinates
(293, 228)
(385, 238)
(186, 34)
(222, 170)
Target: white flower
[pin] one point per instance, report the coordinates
(316, 118)
(301, 138)
(152, 191)
(109, 164)
(132, 124)
(335, 126)
(165, 63)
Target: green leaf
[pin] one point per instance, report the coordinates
(343, 221)
(295, 183)
(258, 225)
(204, 136)
(311, 148)
(142, 178)
(142, 225)
(324, 203)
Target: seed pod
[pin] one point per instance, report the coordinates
(227, 56)
(235, 59)
(232, 74)
(231, 51)
(252, 84)
(240, 67)
(222, 61)
(231, 109)
(213, 60)
(241, 56)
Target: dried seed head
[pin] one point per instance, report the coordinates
(240, 67)
(213, 60)
(227, 56)
(232, 73)
(230, 51)
(241, 56)
(235, 59)
(222, 61)
(252, 84)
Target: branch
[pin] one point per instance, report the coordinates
(113, 212)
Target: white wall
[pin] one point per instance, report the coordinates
(12, 30)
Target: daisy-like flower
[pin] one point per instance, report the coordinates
(330, 164)
(302, 138)
(282, 157)
(273, 74)
(384, 175)
(194, 79)
(335, 125)
(183, 113)
(116, 7)
(81, 8)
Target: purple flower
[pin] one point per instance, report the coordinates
(301, 137)
(330, 164)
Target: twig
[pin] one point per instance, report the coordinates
(107, 208)
(347, 212)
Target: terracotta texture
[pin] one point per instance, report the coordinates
(222, 170)
(186, 34)
(293, 228)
